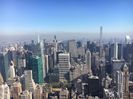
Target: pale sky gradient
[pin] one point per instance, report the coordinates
(44, 16)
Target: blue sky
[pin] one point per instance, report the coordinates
(28, 16)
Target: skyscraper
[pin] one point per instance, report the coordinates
(64, 66)
(72, 48)
(125, 81)
(4, 91)
(100, 42)
(16, 89)
(4, 65)
(46, 63)
(115, 51)
(88, 60)
(120, 51)
(11, 71)
(55, 44)
(37, 69)
(26, 95)
(38, 92)
(43, 58)
(119, 84)
(29, 82)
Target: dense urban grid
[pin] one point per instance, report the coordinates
(67, 69)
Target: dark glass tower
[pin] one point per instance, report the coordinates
(34, 63)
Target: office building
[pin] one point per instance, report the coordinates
(88, 60)
(125, 82)
(46, 63)
(35, 64)
(43, 59)
(11, 71)
(16, 89)
(72, 48)
(26, 95)
(64, 66)
(38, 92)
(120, 51)
(29, 82)
(4, 65)
(94, 86)
(116, 65)
(4, 89)
(119, 84)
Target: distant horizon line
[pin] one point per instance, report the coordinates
(60, 32)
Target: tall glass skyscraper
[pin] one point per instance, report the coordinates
(4, 65)
(35, 64)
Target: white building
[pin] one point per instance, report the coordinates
(11, 71)
(115, 51)
(88, 60)
(38, 92)
(119, 83)
(64, 65)
(4, 90)
(46, 63)
(29, 82)
(26, 95)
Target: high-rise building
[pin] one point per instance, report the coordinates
(29, 82)
(21, 63)
(55, 44)
(119, 84)
(94, 86)
(72, 48)
(115, 51)
(16, 89)
(43, 58)
(125, 82)
(6, 92)
(64, 66)
(4, 89)
(1, 79)
(34, 63)
(11, 71)
(46, 63)
(81, 52)
(122, 83)
(37, 69)
(4, 65)
(120, 51)
(100, 42)
(88, 60)
(116, 66)
(26, 95)
(38, 92)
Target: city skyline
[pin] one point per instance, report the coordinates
(65, 16)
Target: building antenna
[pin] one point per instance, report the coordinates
(101, 34)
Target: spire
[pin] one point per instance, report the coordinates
(101, 34)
